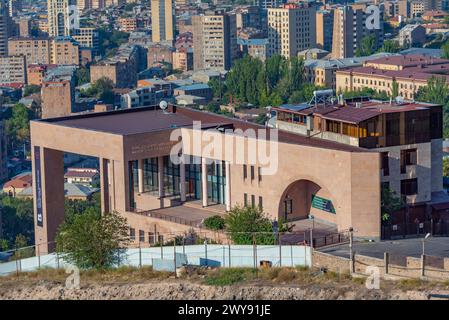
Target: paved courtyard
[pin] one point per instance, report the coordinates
(434, 246)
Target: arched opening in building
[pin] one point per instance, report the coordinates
(303, 198)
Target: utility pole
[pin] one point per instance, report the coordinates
(351, 253)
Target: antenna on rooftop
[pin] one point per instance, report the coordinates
(399, 100)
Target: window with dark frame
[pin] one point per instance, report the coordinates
(141, 236)
(253, 201)
(245, 199)
(408, 158)
(409, 187)
(385, 163)
(245, 173)
(132, 234)
(252, 173)
(260, 203)
(259, 174)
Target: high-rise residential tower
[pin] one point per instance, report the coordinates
(162, 20)
(4, 27)
(291, 29)
(59, 17)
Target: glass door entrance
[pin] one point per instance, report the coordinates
(216, 182)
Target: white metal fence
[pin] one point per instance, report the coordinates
(216, 255)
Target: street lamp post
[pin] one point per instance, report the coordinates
(351, 252)
(423, 243)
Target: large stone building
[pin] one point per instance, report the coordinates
(12, 70)
(122, 68)
(162, 20)
(291, 29)
(139, 176)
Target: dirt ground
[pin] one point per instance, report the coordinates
(287, 284)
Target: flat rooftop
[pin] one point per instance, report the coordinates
(152, 119)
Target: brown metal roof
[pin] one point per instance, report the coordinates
(147, 119)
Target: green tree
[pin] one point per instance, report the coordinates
(445, 49)
(18, 126)
(390, 203)
(436, 91)
(246, 224)
(445, 167)
(102, 89)
(91, 240)
(367, 46)
(31, 89)
(17, 219)
(390, 46)
(394, 89)
(218, 87)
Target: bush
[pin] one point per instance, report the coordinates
(228, 276)
(90, 240)
(246, 224)
(214, 223)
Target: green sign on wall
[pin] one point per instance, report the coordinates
(322, 204)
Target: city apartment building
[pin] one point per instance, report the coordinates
(142, 96)
(12, 70)
(324, 28)
(409, 72)
(214, 40)
(407, 136)
(122, 68)
(128, 24)
(324, 72)
(350, 29)
(412, 35)
(65, 51)
(36, 50)
(87, 37)
(183, 59)
(291, 29)
(24, 25)
(58, 17)
(36, 73)
(5, 28)
(162, 20)
(58, 92)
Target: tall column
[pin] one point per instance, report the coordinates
(182, 174)
(160, 175)
(228, 185)
(140, 174)
(48, 196)
(104, 185)
(204, 181)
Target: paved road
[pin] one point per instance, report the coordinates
(438, 246)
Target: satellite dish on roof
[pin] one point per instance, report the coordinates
(163, 105)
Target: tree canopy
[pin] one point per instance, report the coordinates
(91, 240)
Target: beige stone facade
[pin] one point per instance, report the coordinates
(291, 29)
(348, 177)
(36, 51)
